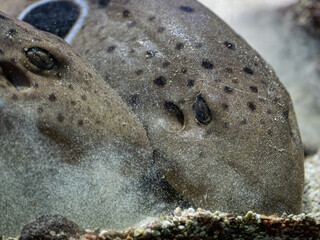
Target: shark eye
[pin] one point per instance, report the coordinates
(41, 58)
(202, 111)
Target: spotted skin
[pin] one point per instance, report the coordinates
(42, 77)
(221, 125)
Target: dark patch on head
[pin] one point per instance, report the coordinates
(12, 32)
(60, 117)
(111, 49)
(41, 58)
(40, 110)
(103, 3)
(139, 72)
(243, 121)
(198, 45)
(52, 97)
(225, 106)
(161, 29)
(251, 106)
(229, 45)
(132, 24)
(248, 70)
(165, 64)
(190, 83)
(179, 46)
(134, 99)
(160, 81)
(83, 97)
(184, 70)
(151, 18)
(151, 53)
(186, 9)
(80, 122)
(56, 17)
(229, 70)
(207, 64)
(202, 111)
(14, 75)
(253, 89)
(126, 13)
(228, 89)
(175, 111)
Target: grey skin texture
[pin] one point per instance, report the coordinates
(42, 76)
(221, 125)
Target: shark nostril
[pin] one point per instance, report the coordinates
(175, 115)
(202, 111)
(14, 75)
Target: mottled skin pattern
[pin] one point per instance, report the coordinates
(172, 60)
(68, 101)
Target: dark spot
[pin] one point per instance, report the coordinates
(226, 125)
(139, 72)
(270, 133)
(132, 24)
(275, 100)
(190, 83)
(40, 110)
(225, 106)
(103, 3)
(165, 64)
(179, 46)
(134, 99)
(253, 89)
(70, 87)
(41, 58)
(14, 75)
(1, 52)
(160, 81)
(243, 121)
(229, 70)
(90, 75)
(2, 86)
(151, 18)
(80, 122)
(174, 111)
(229, 45)
(57, 17)
(35, 85)
(184, 70)
(12, 32)
(83, 97)
(151, 53)
(14, 97)
(60, 117)
(217, 80)
(262, 122)
(286, 114)
(201, 111)
(198, 45)
(52, 97)
(207, 64)
(2, 17)
(73, 103)
(228, 89)
(186, 9)
(126, 13)
(161, 29)
(251, 106)
(111, 49)
(269, 111)
(248, 70)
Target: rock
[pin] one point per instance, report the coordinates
(50, 227)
